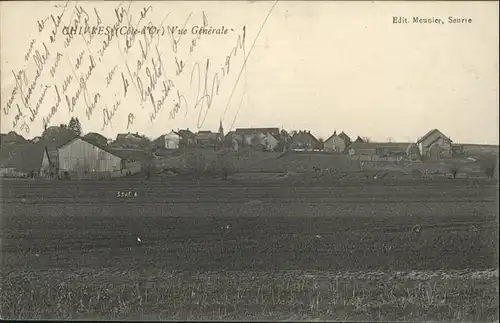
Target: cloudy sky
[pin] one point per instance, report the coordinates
(320, 66)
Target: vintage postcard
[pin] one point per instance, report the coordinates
(249, 160)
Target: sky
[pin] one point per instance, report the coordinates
(318, 66)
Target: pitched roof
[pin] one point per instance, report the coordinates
(130, 155)
(430, 132)
(95, 135)
(359, 140)
(159, 140)
(128, 135)
(333, 135)
(12, 136)
(61, 144)
(305, 135)
(26, 157)
(344, 136)
(185, 133)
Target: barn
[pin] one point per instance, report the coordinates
(79, 158)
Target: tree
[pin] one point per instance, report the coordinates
(74, 124)
(366, 139)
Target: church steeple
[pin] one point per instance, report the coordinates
(221, 129)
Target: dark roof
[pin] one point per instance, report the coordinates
(430, 132)
(160, 140)
(305, 134)
(26, 157)
(359, 140)
(185, 133)
(250, 131)
(12, 136)
(95, 135)
(333, 135)
(123, 136)
(344, 136)
(130, 155)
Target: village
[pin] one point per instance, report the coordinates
(63, 152)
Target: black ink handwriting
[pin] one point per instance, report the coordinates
(53, 109)
(56, 64)
(159, 103)
(243, 67)
(130, 119)
(108, 115)
(110, 75)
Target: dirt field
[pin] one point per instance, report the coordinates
(244, 244)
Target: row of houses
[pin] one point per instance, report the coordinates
(271, 139)
(433, 144)
(60, 151)
(74, 157)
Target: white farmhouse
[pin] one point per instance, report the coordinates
(172, 140)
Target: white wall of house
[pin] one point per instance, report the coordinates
(271, 142)
(438, 137)
(172, 141)
(79, 155)
(334, 143)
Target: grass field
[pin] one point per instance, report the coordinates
(381, 251)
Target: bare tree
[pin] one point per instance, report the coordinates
(366, 139)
